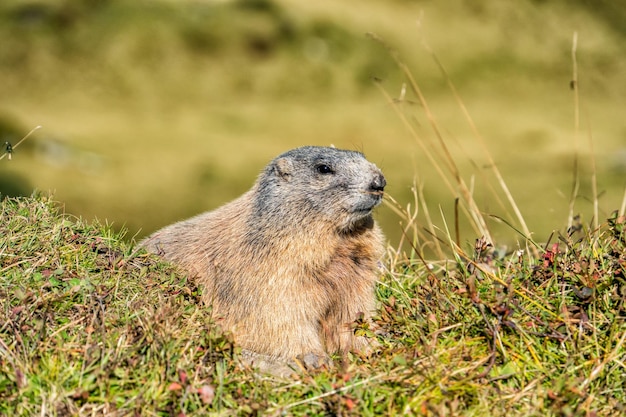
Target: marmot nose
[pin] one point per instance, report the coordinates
(378, 183)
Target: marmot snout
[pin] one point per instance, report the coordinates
(290, 264)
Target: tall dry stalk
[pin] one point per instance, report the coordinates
(20, 142)
(441, 152)
(574, 86)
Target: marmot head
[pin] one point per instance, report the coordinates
(318, 183)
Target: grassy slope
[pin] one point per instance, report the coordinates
(90, 326)
(179, 107)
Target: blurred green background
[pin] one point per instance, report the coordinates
(152, 111)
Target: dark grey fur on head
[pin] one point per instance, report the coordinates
(337, 184)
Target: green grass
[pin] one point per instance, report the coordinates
(91, 325)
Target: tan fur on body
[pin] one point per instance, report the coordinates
(290, 264)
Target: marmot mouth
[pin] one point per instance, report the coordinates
(365, 206)
(365, 209)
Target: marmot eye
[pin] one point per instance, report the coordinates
(324, 169)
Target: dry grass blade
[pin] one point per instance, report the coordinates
(20, 142)
(574, 86)
(486, 151)
(471, 210)
(614, 354)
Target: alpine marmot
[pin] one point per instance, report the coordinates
(292, 263)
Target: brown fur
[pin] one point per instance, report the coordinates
(290, 264)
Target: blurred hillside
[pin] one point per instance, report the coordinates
(156, 110)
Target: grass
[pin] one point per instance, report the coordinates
(87, 324)
(91, 326)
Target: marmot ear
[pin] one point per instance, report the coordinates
(283, 167)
